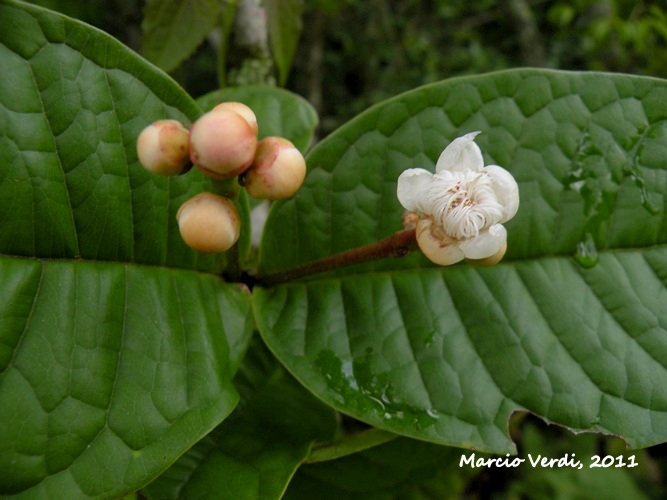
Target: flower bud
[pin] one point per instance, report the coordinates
(209, 223)
(223, 143)
(243, 110)
(163, 147)
(277, 171)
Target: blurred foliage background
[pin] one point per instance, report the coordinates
(354, 53)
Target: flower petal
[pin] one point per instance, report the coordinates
(461, 154)
(506, 189)
(442, 251)
(489, 261)
(411, 185)
(486, 244)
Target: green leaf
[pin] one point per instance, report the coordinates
(72, 104)
(284, 24)
(447, 354)
(113, 362)
(255, 452)
(279, 112)
(173, 29)
(404, 468)
(126, 366)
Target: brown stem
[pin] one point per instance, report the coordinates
(397, 245)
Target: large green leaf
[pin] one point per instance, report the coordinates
(113, 361)
(173, 29)
(447, 354)
(109, 372)
(255, 452)
(73, 102)
(279, 112)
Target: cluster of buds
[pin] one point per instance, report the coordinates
(223, 144)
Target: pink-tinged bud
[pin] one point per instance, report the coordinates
(163, 147)
(209, 223)
(222, 144)
(277, 171)
(243, 110)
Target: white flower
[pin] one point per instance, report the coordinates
(462, 206)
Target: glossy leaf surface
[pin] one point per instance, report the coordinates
(72, 186)
(110, 364)
(116, 352)
(571, 326)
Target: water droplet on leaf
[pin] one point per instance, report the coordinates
(432, 413)
(646, 203)
(635, 174)
(587, 253)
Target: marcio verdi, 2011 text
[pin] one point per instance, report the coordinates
(540, 461)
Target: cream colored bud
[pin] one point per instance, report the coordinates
(277, 171)
(163, 147)
(209, 223)
(243, 110)
(222, 143)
